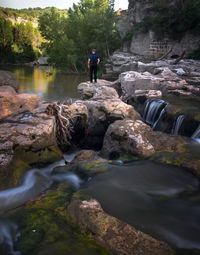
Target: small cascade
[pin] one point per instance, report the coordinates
(177, 124)
(154, 111)
(196, 134)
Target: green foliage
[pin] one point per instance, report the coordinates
(70, 37)
(6, 38)
(19, 42)
(174, 19)
(195, 55)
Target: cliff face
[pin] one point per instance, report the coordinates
(146, 41)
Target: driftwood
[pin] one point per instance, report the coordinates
(179, 59)
(165, 55)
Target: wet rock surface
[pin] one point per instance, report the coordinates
(116, 236)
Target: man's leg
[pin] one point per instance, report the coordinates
(95, 73)
(91, 73)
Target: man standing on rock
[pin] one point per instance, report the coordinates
(93, 61)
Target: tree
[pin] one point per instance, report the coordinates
(6, 38)
(91, 23)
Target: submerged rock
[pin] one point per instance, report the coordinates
(8, 79)
(118, 237)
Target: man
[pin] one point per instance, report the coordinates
(93, 62)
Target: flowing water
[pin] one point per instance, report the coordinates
(154, 111)
(177, 124)
(47, 82)
(158, 199)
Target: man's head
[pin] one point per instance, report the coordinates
(93, 50)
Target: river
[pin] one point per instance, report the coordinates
(48, 82)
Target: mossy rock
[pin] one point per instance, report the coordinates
(184, 159)
(46, 229)
(24, 160)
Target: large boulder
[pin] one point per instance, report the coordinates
(137, 138)
(88, 90)
(31, 131)
(165, 81)
(8, 79)
(12, 103)
(102, 113)
(118, 237)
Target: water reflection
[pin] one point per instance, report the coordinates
(47, 82)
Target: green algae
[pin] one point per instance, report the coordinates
(24, 160)
(46, 228)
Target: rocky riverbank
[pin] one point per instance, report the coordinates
(103, 119)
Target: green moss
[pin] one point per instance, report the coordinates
(24, 160)
(93, 167)
(126, 157)
(46, 228)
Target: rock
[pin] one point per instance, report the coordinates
(146, 94)
(71, 122)
(180, 71)
(12, 103)
(42, 60)
(185, 158)
(151, 67)
(179, 92)
(118, 237)
(165, 81)
(28, 131)
(137, 138)
(102, 112)
(132, 81)
(86, 163)
(103, 88)
(8, 79)
(87, 155)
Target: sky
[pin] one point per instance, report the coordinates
(62, 4)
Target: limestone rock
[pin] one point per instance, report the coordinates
(8, 79)
(28, 131)
(146, 94)
(87, 90)
(132, 81)
(165, 81)
(118, 237)
(12, 103)
(137, 138)
(101, 114)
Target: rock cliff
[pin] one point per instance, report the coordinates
(141, 24)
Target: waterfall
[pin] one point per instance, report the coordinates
(177, 124)
(196, 134)
(154, 111)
